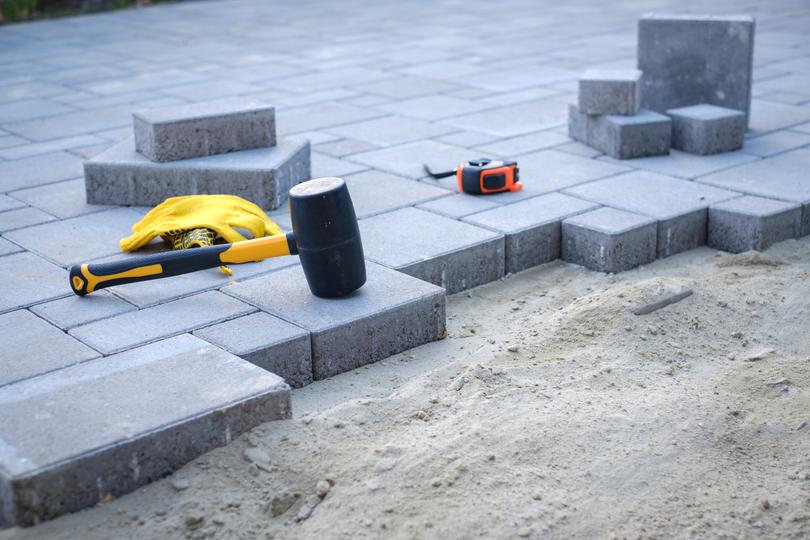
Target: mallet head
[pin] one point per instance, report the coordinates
(327, 237)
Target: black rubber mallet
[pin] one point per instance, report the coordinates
(325, 237)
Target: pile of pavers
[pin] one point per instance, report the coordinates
(692, 91)
(227, 146)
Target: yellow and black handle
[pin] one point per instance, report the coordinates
(86, 278)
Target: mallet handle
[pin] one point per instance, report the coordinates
(89, 277)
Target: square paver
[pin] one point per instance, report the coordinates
(707, 129)
(645, 133)
(691, 59)
(749, 222)
(780, 177)
(609, 240)
(135, 328)
(105, 427)
(679, 206)
(391, 313)
(268, 342)
(531, 227)
(18, 273)
(80, 239)
(34, 347)
(204, 129)
(121, 175)
(445, 252)
(38, 170)
(610, 91)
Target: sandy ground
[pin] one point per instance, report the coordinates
(550, 411)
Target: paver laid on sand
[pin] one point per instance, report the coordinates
(391, 313)
(268, 342)
(609, 240)
(679, 206)
(445, 252)
(531, 227)
(102, 428)
(751, 222)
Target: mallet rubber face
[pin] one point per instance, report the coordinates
(327, 236)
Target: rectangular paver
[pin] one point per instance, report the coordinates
(38, 170)
(609, 240)
(27, 279)
(33, 347)
(603, 91)
(73, 310)
(707, 129)
(454, 255)
(645, 133)
(679, 206)
(752, 222)
(204, 129)
(391, 313)
(531, 227)
(135, 328)
(268, 342)
(691, 59)
(103, 428)
(121, 175)
(375, 192)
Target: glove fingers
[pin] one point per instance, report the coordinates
(271, 228)
(249, 222)
(137, 239)
(229, 234)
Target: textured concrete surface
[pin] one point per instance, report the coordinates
(121, 175)
(603, 91)
(391, 313)
(608, 240)
(707, 129)
(751, 222)
(268, 342)
(442, 251)
(531, 227)
(204, 129)
(645, 133)
(692, 59)
(73, 436)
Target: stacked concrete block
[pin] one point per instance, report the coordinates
(609, 91)
(217, 147)
(645, 133)
(609, 240)
(391, 313)
(750, 222)
(531, 227)
(268, 342)
(443, 251)
(693, 59)
(707, 129)
(103, 428)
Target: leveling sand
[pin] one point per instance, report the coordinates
(549, 411)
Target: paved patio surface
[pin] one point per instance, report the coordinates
(378, 88)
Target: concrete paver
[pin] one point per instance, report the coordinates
(748, 222)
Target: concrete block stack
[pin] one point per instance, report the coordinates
(609, 118)
(695, 69)
(227, 146)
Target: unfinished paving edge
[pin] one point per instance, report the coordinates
(153, 421)
(748, 223)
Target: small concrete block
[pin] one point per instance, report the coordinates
(445, 252)
(26, 279)
(73, 437)
(604, 91)
(391, 313)
(34, 347)
(73, 310)
(531, 227)
(646, 133)
(608, 240)
(268, 342)
(136, 328)
(689, 59)
(679, 206)
(748, 223)
(263, 175)
(707, 129)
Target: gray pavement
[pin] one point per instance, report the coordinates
(378, 88)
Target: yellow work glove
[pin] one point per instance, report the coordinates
(177, 219)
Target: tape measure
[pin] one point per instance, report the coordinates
(484, 176)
